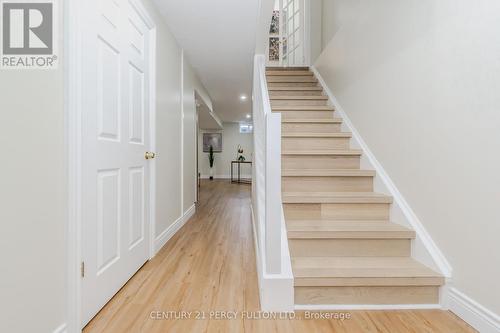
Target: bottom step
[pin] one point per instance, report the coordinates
(367, 295)
(364, 280)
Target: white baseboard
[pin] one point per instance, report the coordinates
(424, 248)
(364, 307)
(168, 233)
(61, 329)
(225, 176)
(276, 291)
(476, 315)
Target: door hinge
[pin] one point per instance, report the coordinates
(82, 269)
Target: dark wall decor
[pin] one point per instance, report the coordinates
(214, 140)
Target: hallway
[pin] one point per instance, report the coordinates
(209, 265)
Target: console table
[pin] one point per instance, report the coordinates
(239, 180)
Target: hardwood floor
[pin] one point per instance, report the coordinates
(209, 265)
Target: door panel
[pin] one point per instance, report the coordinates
(136, 206)
(115, 137)
(108, 218)
(136, 106)
(108, 92)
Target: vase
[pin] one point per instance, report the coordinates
(211, 173)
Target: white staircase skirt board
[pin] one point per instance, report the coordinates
(63, 328)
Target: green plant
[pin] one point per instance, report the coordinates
(211, 157)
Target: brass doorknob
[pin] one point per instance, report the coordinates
(149, 155)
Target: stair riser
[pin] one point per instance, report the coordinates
(294, 102)
(367, 281)
(291, 84)
(287, 69)
(350, 247)
(320, 162)
(303, 144)
(295, 93)
(327, 184)
(287, 115)
(367, 295)
(291, 78)
(310, 128)
(343, 211)
(288, 73)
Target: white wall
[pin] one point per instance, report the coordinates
(168, 125)
(420, 81)
(32, 199)
(264, 17)
(191, 84)
(231, 138)
(33, 187)
(175, 127)
(334, 15)
(315, 37)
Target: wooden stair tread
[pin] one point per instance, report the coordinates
(336, 197)
(317, 135)
(326, 222)
(302, 108)
(291, 79)
(304, 88)
(284, 68)
(365, 267)
(348, 230)
(313, 121)
(299, 97)
(289, 72)
(327, 173)
(334, 152)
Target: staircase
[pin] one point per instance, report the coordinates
(343, 246)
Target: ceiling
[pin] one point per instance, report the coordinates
(218, 38)
(206, 118)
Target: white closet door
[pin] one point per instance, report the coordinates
(115, 138)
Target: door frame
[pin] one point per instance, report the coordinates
(73, 149)
(197, 150)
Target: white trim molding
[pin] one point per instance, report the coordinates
(61, 328)
(249, 176)
(168, 233)
(475, 314)
(72, 114)
(364, 307)
(424, 248)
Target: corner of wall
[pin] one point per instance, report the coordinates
(476, 315)
(162, 239)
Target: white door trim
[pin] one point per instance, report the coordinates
(73, 149)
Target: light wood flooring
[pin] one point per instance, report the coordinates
(209, 265)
